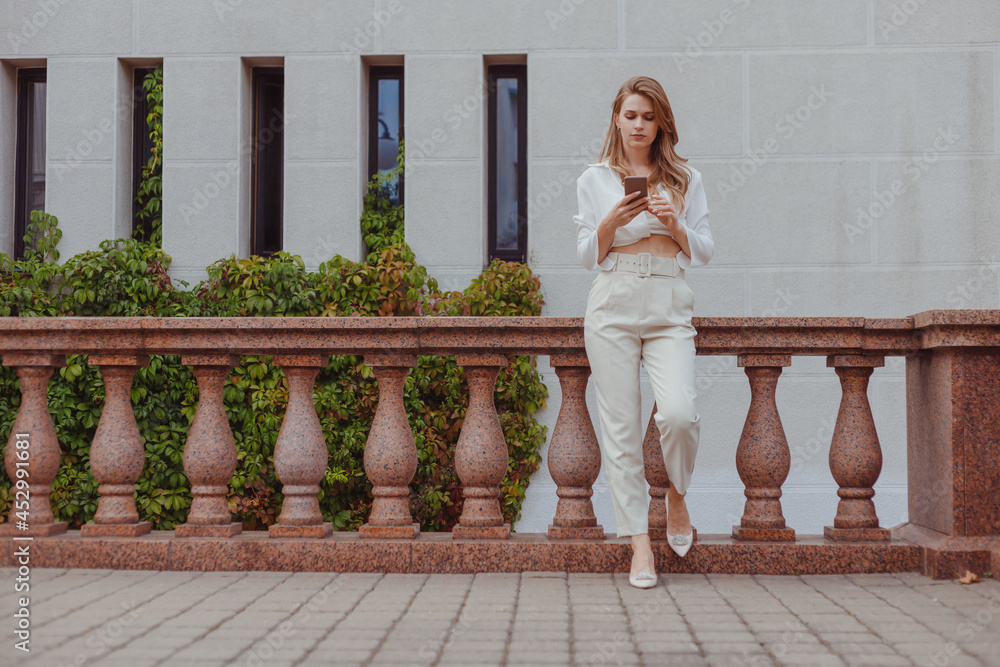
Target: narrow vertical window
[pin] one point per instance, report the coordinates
(385, 123)
(508, 164)
(142, 151)
(268, 160)
(30, 151)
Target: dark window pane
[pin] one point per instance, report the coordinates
(385, 123)
(507, 147)
(268, 160)
(30, 176)
(506, 160)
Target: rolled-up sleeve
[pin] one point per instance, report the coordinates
(698, 233)
(587, 248)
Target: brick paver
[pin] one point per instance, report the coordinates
(136, 619)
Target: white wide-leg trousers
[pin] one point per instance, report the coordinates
(632, 318)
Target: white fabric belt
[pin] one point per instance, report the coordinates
(644, 264)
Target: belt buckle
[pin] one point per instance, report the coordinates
(645, 264)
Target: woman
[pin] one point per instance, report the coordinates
(640, 307)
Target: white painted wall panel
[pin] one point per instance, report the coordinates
(922, 22)
(710, 24)
(322, 211)
(65, 27)
(873, 102)
(256, 27)
(514, 25)
(321, 108)
(570, 99)
(84, 201)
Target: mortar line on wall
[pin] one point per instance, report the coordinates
(956, 156)
(346, 161)
(720, 51)
(598, 52)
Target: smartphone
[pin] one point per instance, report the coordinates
(637, 184)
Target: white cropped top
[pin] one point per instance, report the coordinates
(599, 188)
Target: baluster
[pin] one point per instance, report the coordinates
(390, 453)
(656, 475)
(481, 454)
(574, 457)
(41, 456)
(855, 454)
(659, 481)
(300, 453)
(210, 451)
(762, 458)
(117, 454)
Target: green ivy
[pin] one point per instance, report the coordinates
(150, 191)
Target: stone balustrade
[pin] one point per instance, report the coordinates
(953, 445)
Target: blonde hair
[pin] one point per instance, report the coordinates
(665, 164)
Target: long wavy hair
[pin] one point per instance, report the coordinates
(665, 163)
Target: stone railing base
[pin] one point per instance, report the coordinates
(950, 556)
(440, 553)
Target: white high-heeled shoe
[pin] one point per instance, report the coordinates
(643, 580)
(681, 543)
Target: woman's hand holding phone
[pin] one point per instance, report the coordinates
(629, 206)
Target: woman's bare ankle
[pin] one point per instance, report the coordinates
(678, 519)
(642, 554)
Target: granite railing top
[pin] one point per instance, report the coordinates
(472, 335)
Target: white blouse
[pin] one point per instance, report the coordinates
(599, 188)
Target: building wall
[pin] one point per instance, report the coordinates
(849, 151)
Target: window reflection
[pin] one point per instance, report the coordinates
(508, 198)
(386, 124)
(506, 156)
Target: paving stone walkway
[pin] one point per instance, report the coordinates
(191, 619)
